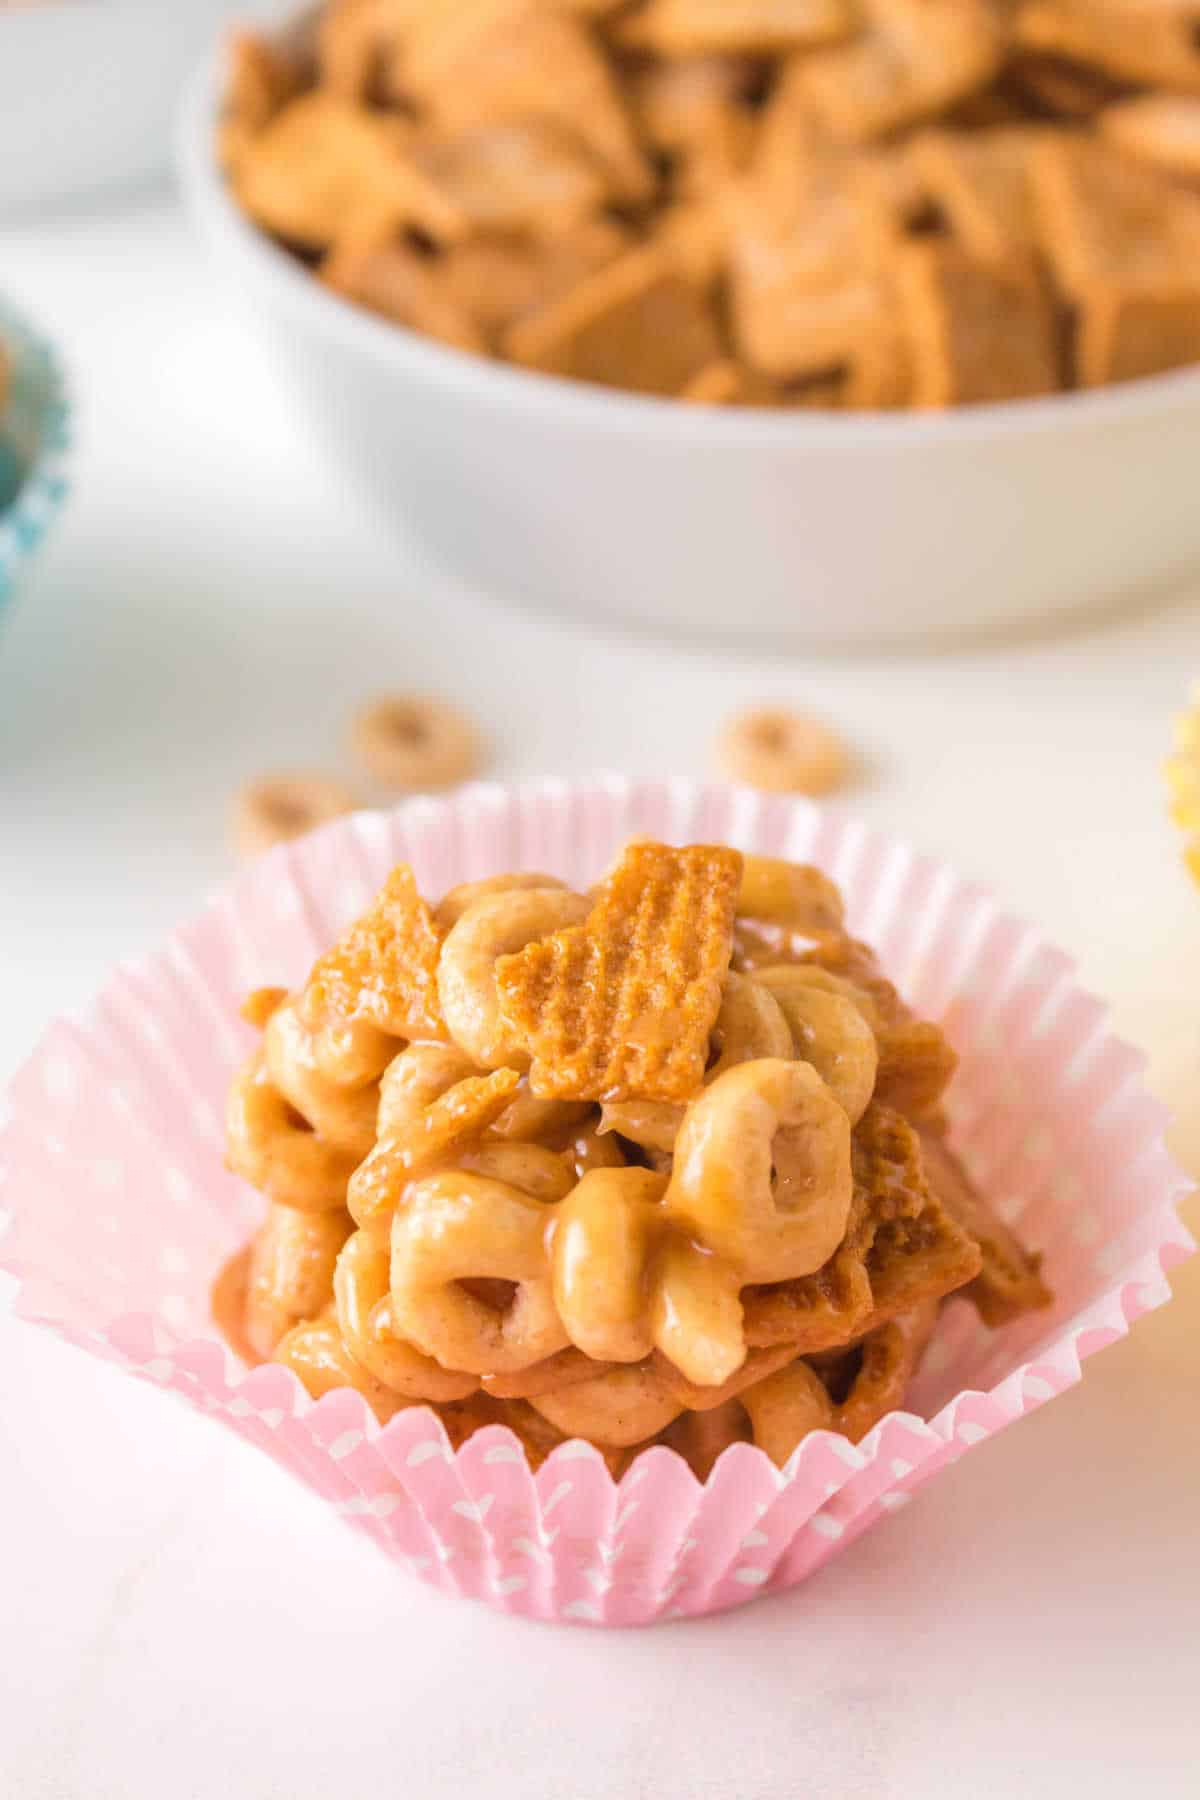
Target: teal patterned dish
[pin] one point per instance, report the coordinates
(35, 440)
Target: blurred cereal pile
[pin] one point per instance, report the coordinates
(821, 203)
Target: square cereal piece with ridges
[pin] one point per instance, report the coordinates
(638, 323)
(886, 1360)
(1154, 45)
(451, 1122)
(384, 969)
(322, 163)
(1126, 333)
(624, 1005)
(816, 1312)
(977, 330)
(915, 58)
(757, 27)
(384, 273)
(495, 282)
(1106, 219)
(980, 184)
(805, 278)
(515, 177)
(494, 62)
(913, 1261)
(1009, 1281)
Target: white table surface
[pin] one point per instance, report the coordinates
(176, 1617)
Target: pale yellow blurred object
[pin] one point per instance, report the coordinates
(1183, 778)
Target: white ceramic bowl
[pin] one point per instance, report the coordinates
(818, 529)
(88, 92)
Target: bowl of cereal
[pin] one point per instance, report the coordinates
(554, 1180)
(788, 321)
(34, 442)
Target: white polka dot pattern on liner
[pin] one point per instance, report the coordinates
(475, 1510)
(423, 1452)
(583, 1609)
(826, 1526)
(345, 1445)
(539, 1553)
(381, 1506)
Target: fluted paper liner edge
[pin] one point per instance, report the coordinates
(121, 1210)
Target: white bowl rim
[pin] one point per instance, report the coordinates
(609, 409)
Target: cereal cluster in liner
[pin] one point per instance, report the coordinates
(660, 1163)
(821, 203)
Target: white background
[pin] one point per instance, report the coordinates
(176, 1617)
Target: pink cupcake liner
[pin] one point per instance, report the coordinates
(121, 1209)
